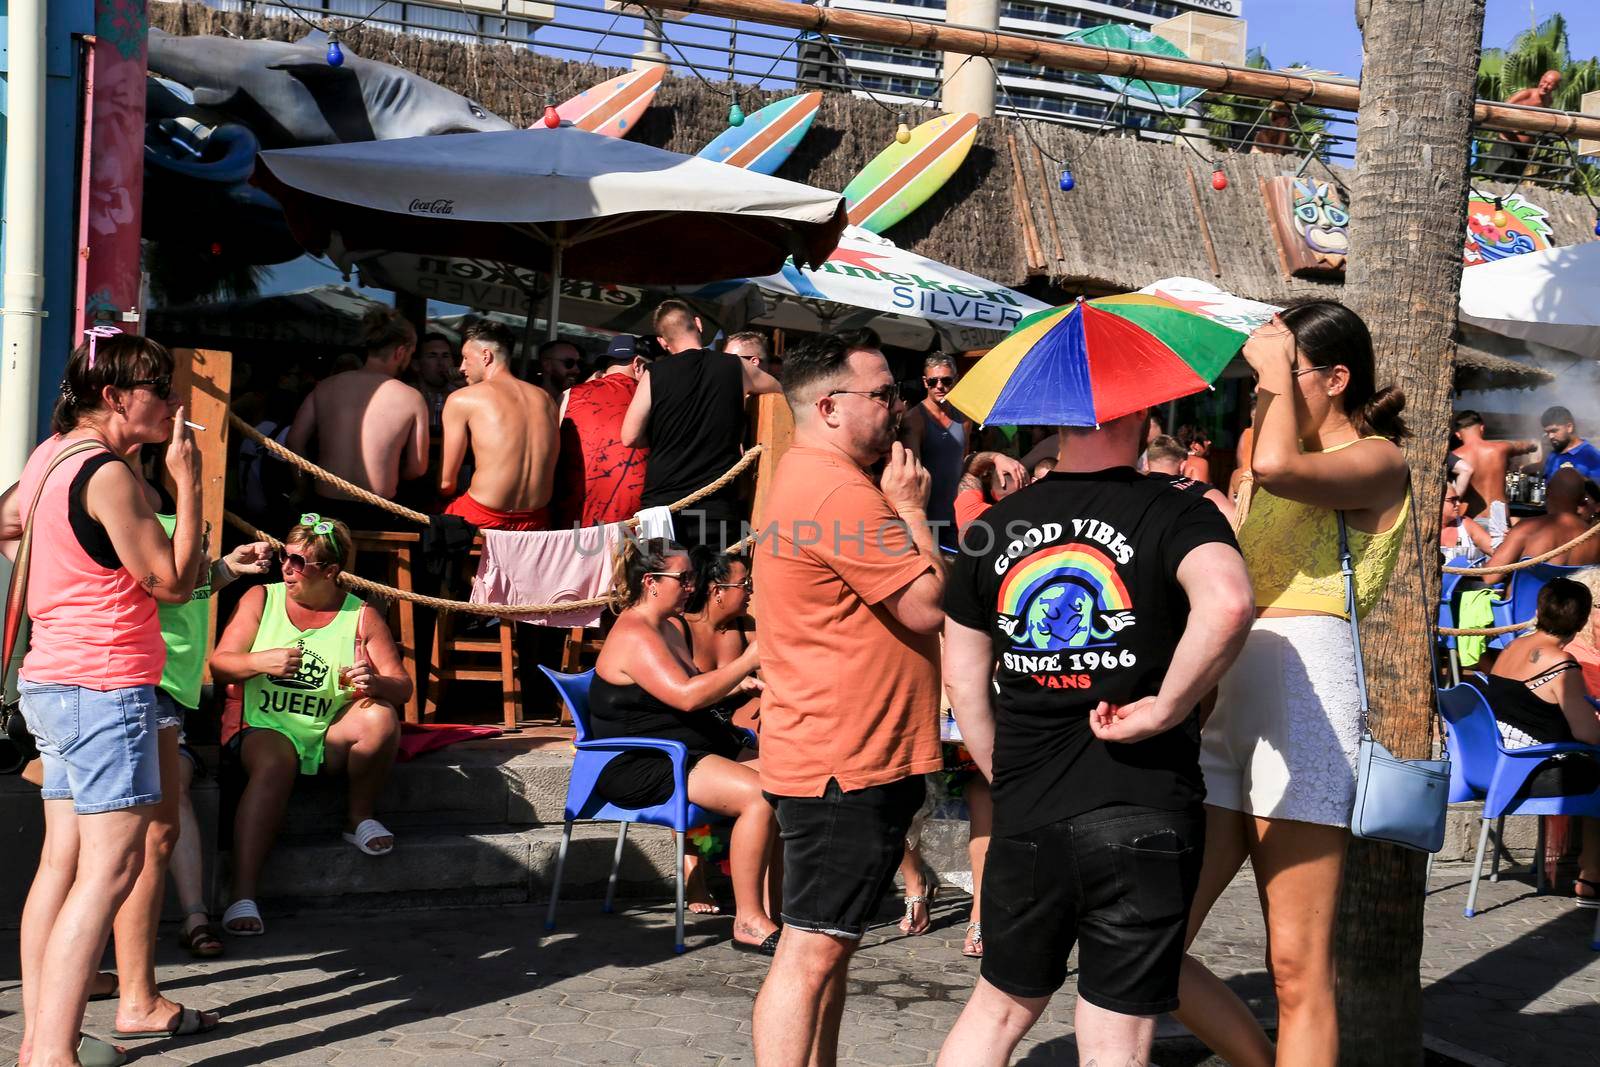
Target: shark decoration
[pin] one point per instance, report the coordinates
(288, 95)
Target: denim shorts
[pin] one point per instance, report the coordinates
(1117, 882)
(98, 749)
(168, 713)
(840, 852)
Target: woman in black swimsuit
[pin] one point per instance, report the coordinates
(646, 685)
(1537, 693)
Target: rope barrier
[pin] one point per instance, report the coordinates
(1485, 631)
(388, 592)
(294, 459)
(1520, 564)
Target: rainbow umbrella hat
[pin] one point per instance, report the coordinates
(1092, 361)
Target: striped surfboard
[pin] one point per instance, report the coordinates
(612, 107)
(767, 137)
(904, 176)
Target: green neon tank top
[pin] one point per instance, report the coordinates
(301, 708)
(185, 628)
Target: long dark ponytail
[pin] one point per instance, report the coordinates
(1331, 335)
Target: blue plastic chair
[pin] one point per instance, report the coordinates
(583, 803)
(1483, 768)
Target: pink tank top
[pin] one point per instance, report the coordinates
(92, 626)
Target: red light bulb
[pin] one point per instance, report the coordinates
(551, 118)
(1219, 180)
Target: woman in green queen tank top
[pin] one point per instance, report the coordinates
(322, 683)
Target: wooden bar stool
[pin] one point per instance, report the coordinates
(474, 659)
(397, 553)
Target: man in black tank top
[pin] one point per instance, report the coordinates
(689, 411)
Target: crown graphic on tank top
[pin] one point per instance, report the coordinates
(312, 675)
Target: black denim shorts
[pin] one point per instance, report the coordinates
(1116, 881)
(840, 852)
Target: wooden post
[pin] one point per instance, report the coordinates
(1404, 278)
(774, 431)
(905, 32)
(204, 378)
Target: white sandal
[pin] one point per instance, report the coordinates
(369, 831)
(243, 909)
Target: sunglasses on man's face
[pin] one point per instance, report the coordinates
(161, 387)
(940, 382)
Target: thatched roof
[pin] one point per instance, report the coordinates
(1131, 219)
(1477, 369)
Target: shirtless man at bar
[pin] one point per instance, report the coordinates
(511, 426)
(370, 428)
(1486, 493)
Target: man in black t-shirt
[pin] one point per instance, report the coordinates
(1164, 458)
(689, 411)
(1103, 604)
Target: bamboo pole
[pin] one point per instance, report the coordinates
(1058, 55)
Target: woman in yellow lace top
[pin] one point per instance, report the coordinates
(1279, 751)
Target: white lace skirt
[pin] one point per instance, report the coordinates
(1282, 741)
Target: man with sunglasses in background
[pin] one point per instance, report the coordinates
(848, 619)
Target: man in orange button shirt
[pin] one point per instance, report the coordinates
(849, 615)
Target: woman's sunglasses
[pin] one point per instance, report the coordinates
(161, 387)
(686, 577)
(295, 563)
(747, 585)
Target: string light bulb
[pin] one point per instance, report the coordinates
(335, 53)
(1219, 180)
(1499, 218)
(902, 132)
(552, 117)
(1067, 182)
(1597, 226)
(735, 114)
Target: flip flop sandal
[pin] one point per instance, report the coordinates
(1590, 899)
(189, 1022)
(366, 833)
(116, 989)
(243, 909)
(768, 946)
(975, 939)
(92, 1052)
(202, 941)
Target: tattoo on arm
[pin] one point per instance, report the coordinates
(150, 582)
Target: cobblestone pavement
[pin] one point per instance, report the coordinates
(481, 987)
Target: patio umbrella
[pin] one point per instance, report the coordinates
(1545, 297)
(910, 301)
(1093, 361)
(562, 201)
(1128, 38)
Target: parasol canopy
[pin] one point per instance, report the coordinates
(561, 201)
(1128, 38)
(908, 300)
(1545, 297)
(1092, 361)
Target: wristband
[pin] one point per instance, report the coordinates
(221, 573)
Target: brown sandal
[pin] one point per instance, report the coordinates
(202, 942)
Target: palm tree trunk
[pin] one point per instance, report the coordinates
(1404, 277)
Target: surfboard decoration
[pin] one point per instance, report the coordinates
(612, 107)
(767, 137)
(904, 176)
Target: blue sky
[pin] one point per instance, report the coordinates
(1322, 33)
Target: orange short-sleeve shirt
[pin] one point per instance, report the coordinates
(851, 694)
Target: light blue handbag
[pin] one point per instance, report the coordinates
(1398, 801)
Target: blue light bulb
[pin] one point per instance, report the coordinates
(1597, 227)
(735, 115)
(1068, 182)
(335, 53)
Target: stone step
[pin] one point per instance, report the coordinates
(450, 866)
(513, 781)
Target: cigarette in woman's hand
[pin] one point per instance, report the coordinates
(193, 425)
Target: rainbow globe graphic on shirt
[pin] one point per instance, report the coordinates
(1065, 597)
